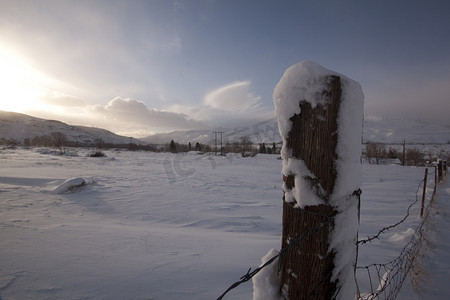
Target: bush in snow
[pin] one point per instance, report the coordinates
(97, 154)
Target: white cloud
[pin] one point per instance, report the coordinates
(232, 97)
(222, 118)
(60, 99)
(130, 113)
(231, 105)
(122, 116)
(134, 111)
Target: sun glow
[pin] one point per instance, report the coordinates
(20, 84)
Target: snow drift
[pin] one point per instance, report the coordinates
(70, 185)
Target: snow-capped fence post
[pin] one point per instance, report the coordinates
(320, 118)
(312, 140)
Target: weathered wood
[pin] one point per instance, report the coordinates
(313, 137)
(306, 270)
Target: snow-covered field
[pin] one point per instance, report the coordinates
(143, 225)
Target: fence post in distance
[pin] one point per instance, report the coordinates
(424, 191)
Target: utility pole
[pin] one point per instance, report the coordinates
(215, 142)
(216, 139)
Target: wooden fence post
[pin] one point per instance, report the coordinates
(404, 152)
(424, 191)
(440, 170)
(435, 180)
(308, 268)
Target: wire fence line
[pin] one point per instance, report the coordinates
(387, 228)
(385, 279)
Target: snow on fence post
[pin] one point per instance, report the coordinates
(320, 115)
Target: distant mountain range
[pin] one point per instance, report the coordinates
(19, 126)
(15, 126)
(261, 132)
(375, 130)
(396, 131)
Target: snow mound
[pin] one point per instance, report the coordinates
(266, 283)
(70, 185)
(402, 236)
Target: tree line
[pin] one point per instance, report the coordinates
(60, 141)
(244, 146)
(375, 153)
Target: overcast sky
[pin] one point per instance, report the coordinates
(137, 67)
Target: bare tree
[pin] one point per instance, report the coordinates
(99, 143)
(262, 148)
(392, 153)
(375, 150)
(246, 146)
(173, 146)
(42, 141)
(59, 141)
(415, 156)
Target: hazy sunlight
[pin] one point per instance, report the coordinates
(20, 84)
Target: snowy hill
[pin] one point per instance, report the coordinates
(395, 131)
(375, 130)
(262, 132)
(20, 126)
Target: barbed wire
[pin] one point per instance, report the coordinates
(292, 243)
(390, 276)
(248, 276)
(387, 228)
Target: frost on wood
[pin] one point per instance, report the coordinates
(320, 120)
